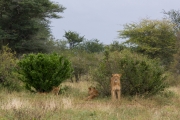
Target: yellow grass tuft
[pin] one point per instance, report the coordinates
(67, 103)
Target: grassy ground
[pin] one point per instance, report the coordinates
(71, 106)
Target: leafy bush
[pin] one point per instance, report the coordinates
(82, 62)
(43, 71)
(140, 75)
(102, 75)
(8, 78)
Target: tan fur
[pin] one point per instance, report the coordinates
(92, 93)
(55, 90)
(116, 86)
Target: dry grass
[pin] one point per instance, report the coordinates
(71, 106)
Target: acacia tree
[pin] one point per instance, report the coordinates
(116, 46)
(22, 21)
(91, 46)
(73, 38)
(174, 16)
(155, 38)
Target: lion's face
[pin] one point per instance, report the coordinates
(115, 79)
(92, 91)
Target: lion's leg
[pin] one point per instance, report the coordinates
(86, 98)
(119, 94)
(113, 95)
(56, 93)
(89, 97)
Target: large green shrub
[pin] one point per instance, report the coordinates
(8, 77)
(82, 62)
(140, 75)
(102, 75)
(43, 71)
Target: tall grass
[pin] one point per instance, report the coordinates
(70, 105)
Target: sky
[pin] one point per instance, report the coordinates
(101, 19)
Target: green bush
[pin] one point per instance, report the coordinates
(102, 75)
(82, 62)
(140, 75)
(8, 77)
(43, 71)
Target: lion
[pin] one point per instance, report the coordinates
(92, 93)
(55, 90)
(116, 86)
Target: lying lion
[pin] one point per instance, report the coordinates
(116, 86)
(92, 93)
(55, 91)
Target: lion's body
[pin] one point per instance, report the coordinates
(55, 90)
(116, 86)
(92, 93)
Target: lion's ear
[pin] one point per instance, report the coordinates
(89, 88)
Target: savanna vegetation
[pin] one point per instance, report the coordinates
(32, 62)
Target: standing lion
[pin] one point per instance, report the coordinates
(116, 86)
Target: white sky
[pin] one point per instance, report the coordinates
(101, 19)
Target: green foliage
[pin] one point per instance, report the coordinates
(165, 97)
(155, 38)
(102, 75)
(91, 46)
(23, 21)
(82, 62)
(140, 75)
(116, 46)
(8, 78)
(73, 38)
(43, 71)
(174, 16)
(61, 45)
(174, 69)
(63, 89)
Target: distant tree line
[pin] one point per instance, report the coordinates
(150, 50)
